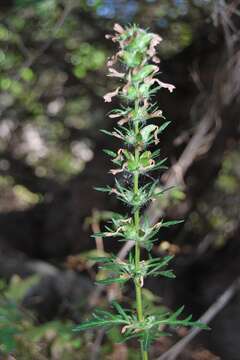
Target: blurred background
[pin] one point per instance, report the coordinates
(52, 78)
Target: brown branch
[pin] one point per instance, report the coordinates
(95, 348)
(206, 318)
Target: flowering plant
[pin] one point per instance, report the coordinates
(137, 68)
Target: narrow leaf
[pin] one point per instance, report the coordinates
(171, 223)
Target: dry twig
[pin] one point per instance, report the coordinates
(206, 318)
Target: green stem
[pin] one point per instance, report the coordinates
(137, 255)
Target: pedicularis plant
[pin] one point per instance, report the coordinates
(137, 69)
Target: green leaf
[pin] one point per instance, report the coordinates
(113, 280)
(174, 321)
(88, 325)
(102, 189)
(147, 131)
(106, 132)
(144, 72)
(159, 165)
(110, 153)
(145, 158)
(163, 126)
(140, 42)
(146, 340)
(171, 223)
(18, 287)
(120, 310)
(101, 259)
(102, 318)
(26, 74)
(178, 312)
(168, 273)
(99, 234)
(132, 58)
(7, 338)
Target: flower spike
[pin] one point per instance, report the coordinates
(137, 59)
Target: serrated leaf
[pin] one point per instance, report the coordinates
(174, 321)
(102, 318)
(177, 313)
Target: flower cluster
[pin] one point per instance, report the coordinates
(136, 65)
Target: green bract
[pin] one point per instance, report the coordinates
(137, 55)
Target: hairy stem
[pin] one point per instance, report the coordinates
(137, 254)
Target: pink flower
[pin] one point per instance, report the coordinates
(156, 39)
(155, 59)
(108, 97)
(118, 28)
(115, 73)
(170, 87)
(115, 115)
(157, 113)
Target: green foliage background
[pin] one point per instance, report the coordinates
(52, 79)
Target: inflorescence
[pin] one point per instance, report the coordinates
(137, 66)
